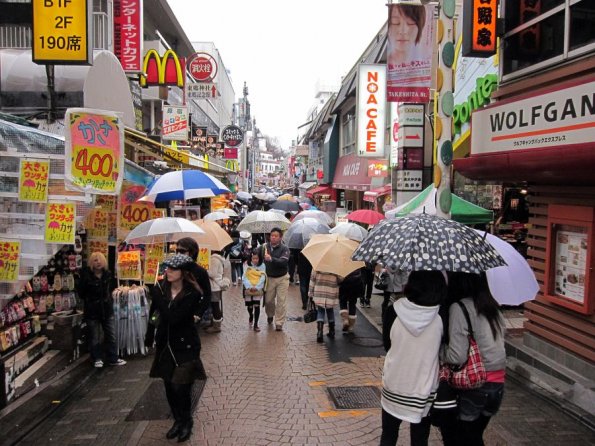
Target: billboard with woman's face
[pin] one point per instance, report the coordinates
(409, 52)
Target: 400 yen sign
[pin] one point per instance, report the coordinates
(94, 166)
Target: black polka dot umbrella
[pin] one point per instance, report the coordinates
(428, 242)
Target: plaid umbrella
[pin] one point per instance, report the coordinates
(428, 242)
(299, 233)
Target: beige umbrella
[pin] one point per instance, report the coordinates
(331, 253)
(214, 237)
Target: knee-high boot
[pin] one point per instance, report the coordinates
(319, 337)
(331, 330)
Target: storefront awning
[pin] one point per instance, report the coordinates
(307, 185)
(322, 189)
(351, 173)
(372, 194)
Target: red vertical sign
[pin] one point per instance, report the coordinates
(128, 34)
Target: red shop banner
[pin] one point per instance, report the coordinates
(128, 34)
(230, 153)
(378, 168)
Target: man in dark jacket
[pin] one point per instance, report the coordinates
(276, 259)
(95, 288)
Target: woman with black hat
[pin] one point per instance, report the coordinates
(174, 303)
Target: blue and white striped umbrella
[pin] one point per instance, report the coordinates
(183, 185)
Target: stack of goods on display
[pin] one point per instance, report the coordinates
(131, 310)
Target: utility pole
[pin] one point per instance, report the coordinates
(244, 121)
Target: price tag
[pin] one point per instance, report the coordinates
(60, 223)
(128, 266)
(9, 261)
(34, 180)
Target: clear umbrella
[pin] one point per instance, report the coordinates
(351, 231)
(216, 215)
(321, 216)
(300, 232)
(258, 222)
(162, 230)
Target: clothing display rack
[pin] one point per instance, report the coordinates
(131, 311)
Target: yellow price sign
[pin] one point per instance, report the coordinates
(154, 255)
(60, 224)
(204, 256)
(99, 224)
(128, 265)
(134, 214)
(34, 180)
(61, 31)
(95, 166)
(9, 261)
(94, 245)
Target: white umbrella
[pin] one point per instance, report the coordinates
(299, 233)
(263, 221)
(244, 196)
(351, 231)
(162, 230)
(321, 216)
(512, 284)
(216, 215)
(230, 212)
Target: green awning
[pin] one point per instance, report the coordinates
(462, 211)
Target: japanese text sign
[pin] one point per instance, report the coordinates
(94, 245)
(479, 38)
(128, 34)
(60, 224)
(154, 255)
(204, 256)
(131, 215)
(175, 123)
(10, 253)
(371, 107)
(34, 180)
(99, 224)
(94, 146)
(201, 91)
(107, 202)
(128, 265)
(61, 32)
(377, 168)
(232, 135)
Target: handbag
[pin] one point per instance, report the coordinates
(472, 374)
(312, 314)
(382, 281)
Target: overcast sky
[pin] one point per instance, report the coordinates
(282, 48)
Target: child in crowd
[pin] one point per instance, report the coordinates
(254, 280)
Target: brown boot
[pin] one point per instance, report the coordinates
(216, 327)
(345, 319)
(351, 323)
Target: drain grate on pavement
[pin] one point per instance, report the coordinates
(361, 397)
(366, 341)
(153, 404)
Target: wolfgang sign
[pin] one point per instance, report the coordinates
(561, 117)
(371, 109)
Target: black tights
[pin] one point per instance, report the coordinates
(471, 432)
(179, 397)
(217, 312)
(420, 432)
(254, 311)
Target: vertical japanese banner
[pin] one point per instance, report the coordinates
(60, 223)
(94, 151)
(34, 178)
(94, 245)
(128, 265)
(10, 253)
(154, 255)
(204, 255)
(98, 227)
(409, 52)
(128, 34)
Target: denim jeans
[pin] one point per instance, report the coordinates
(109, 338)
(330, 314)
(237, 271)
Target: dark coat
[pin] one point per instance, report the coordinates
(96, 292)
(175, 333)
(201, 276)
(353, 285)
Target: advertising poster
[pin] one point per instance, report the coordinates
(571, 264)
(10, 253)
(128, 265)
(94, 151)
(107, 202)
(34, 178)
(94, 245)
(60, 224)
(154, 255)
(175, 123)
(204, 255)
(409, 52)
(98, 227)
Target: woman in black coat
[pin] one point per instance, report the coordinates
(350, 290)
(174, 303)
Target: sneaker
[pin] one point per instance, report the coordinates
(256, 328)
(98, 364)
(118, 362)
(278, 328)
(368, 305)
(297, 282)
(269, 320)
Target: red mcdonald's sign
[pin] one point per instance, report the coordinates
(163, 70)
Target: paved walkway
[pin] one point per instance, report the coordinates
(270, 388)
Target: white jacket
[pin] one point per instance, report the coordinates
(216, 271)
(410, 375)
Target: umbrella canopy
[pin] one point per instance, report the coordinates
(162, 230)
(285, 205)
(351, 231)
(216, 215)
(300, 232)
(244, 196)
(366, 216)
(428, 242)
(323, 217)
(305, 200)
(265, 196)
(331, 253)
(287, 197)
(461, 210)
(258, 222)
(230, 212)
(514, 283)
(214, 236)
(183, 185)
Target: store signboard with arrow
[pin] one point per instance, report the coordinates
(204, 90)
(411, 136)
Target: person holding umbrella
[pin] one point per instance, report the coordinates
(276, 259)
(324, 291)
(189, 247)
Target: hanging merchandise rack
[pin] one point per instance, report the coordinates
(131, 310)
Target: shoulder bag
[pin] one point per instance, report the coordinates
(472, 374)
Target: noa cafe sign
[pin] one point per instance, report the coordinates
(371, 110)
(202, 67)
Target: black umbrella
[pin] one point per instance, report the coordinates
(286, 205)
(428, 242)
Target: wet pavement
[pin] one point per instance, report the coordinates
(270, 388)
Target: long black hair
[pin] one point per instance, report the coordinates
(486, 305)
(426, 288)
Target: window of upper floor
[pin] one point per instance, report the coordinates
(348, 129)
(542, 33)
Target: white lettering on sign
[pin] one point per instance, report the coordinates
(350, 170)
(371, 103)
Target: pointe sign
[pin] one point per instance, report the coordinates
(371, 109)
